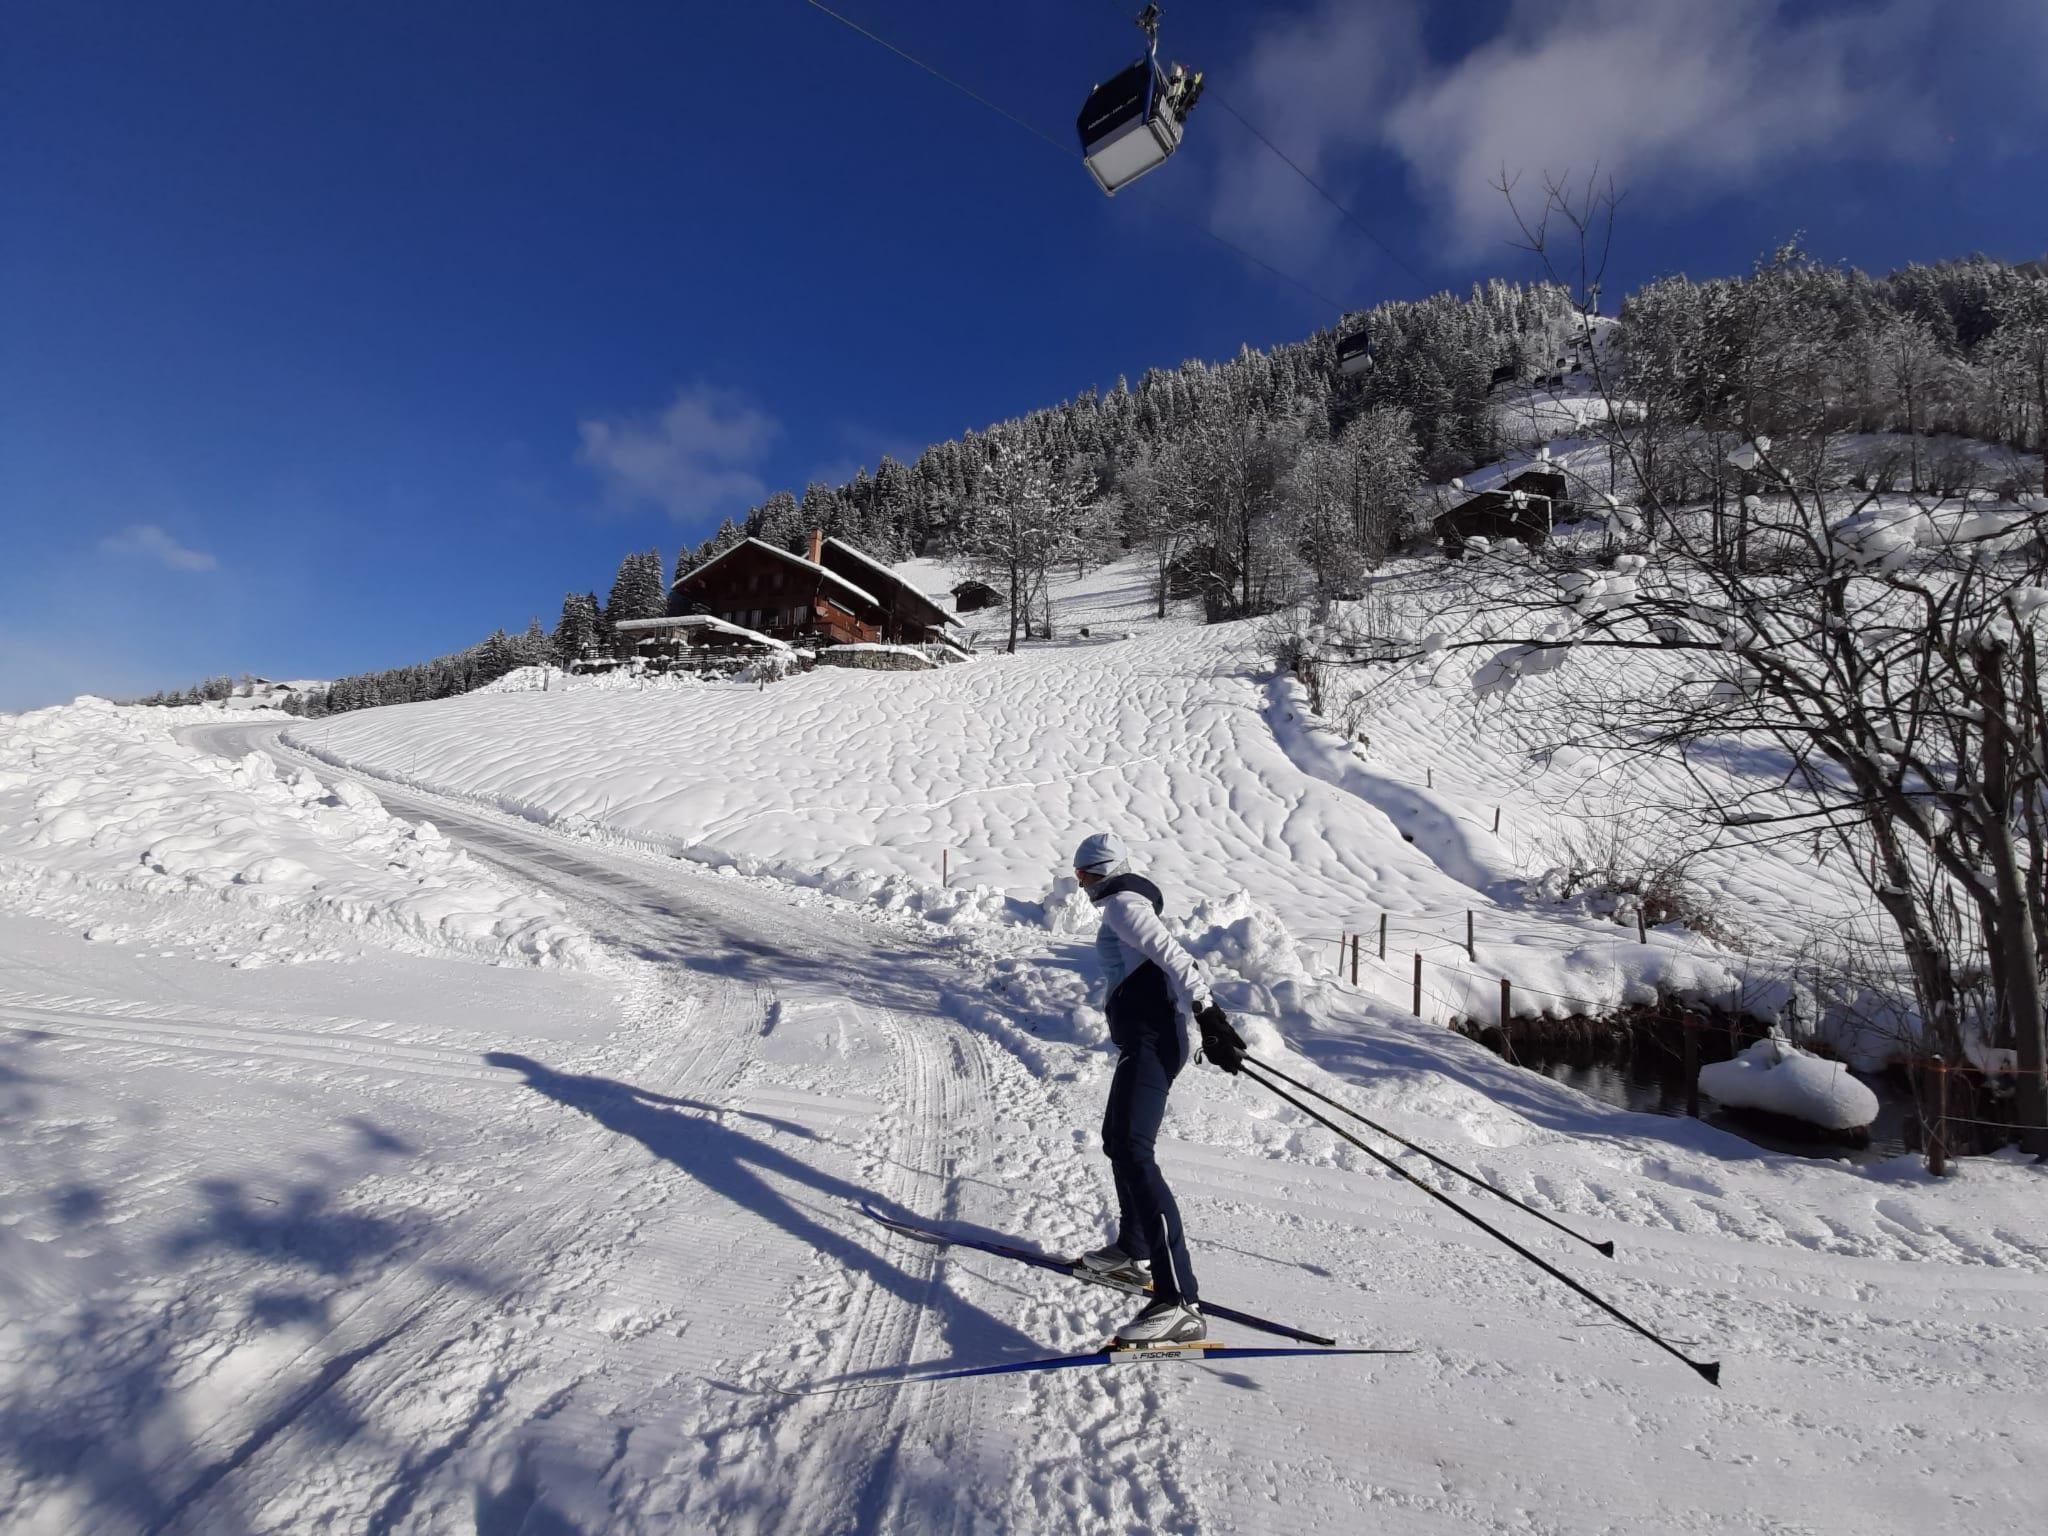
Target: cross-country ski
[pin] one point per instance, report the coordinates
(866, 766)
(1074, 1269)
(1200, 1351)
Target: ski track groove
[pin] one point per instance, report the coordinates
(932, 1103)
(436, 1312)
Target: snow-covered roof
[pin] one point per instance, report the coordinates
(891, 575)
(704, 621)
(876, 646)
(777, 550)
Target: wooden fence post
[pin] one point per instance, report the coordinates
(945, 866)
(1692, 1068)
(1937, 1134)
(1383, 935)
(1429, 777)
(1506, 1005)
(1418, 987)
(1642, 933)
(1496, 821)
(1354, 959)
(1470, 953)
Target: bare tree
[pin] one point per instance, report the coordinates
(1161, 501)
(1883, 649)
(1025, 524)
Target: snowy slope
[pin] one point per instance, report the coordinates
(1180, 738)
(400, 1245)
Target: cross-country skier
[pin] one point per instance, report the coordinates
(1153, 984)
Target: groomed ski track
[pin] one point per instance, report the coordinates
(635, 1234)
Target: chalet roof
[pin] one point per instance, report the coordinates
(890, 577)
(690, 621)
(782, 554)
(1543, 474)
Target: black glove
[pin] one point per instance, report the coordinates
(1223, 1045)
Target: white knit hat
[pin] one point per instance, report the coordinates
(1103, 854)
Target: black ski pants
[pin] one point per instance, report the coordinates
(1149, 1057)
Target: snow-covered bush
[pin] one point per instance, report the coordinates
(1255, 963)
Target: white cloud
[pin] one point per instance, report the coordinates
(1673, 97)
(1676, 99)
(696, 459)
(149, 542)
(1318, 87)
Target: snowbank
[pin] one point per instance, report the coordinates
(100, 797)
(1773, 1075)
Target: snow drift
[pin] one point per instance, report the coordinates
(108, 798)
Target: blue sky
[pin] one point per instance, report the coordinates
(332, 336)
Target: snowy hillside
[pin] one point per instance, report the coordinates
(1179, 736)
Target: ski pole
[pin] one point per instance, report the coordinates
(1605, 1250)
(1708, 1369)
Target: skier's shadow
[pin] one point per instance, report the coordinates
(700, 1139)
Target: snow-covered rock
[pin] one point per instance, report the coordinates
(1776, 1076)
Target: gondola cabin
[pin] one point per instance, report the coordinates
(1354, 353)
(1128, 126)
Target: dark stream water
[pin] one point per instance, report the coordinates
(1629, 1086)
(1646, 1075)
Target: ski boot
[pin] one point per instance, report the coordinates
(1111, 1263)
(1165, 1321)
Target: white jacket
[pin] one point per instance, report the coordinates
(1141, 936)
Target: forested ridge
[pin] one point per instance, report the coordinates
(1254, 480)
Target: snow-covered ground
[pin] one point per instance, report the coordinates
(393, 1240)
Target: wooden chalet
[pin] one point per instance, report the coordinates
(971, 596)
(1525, 507)
(835, 595)
(909, 617)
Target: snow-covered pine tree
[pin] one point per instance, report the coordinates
(639, 590)
(576, 630)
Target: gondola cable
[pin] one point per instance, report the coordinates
(1321, 191)
(1359, 224)
(937, 74)
(1066, 153)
